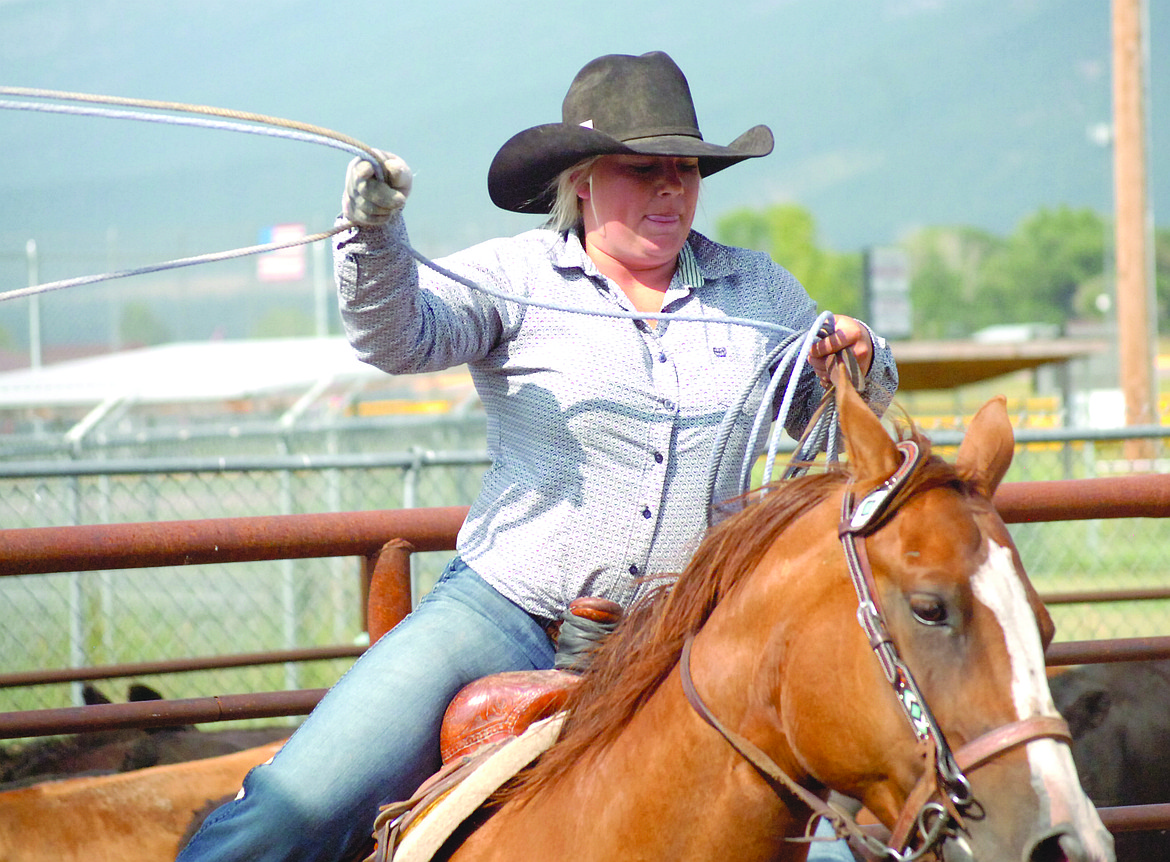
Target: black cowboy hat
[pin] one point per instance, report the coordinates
(617, 104)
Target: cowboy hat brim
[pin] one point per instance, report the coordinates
(520, 175)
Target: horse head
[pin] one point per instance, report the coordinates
(985, 746)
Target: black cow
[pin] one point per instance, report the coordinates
(1119, 714)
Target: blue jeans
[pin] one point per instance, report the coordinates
(374, 737)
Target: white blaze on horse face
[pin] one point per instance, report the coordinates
(997, 585)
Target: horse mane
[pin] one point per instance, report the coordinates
(635, 659)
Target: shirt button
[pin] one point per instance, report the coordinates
(646, 512)
(657, 457)
(668, 404)
(661, 357)
(633, 570)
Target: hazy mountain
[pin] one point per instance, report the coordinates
(888, 114)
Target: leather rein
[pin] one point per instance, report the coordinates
(934, 809)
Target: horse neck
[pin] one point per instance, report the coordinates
(782, 662)
(669, 755)
(669, 787)
(743, 658)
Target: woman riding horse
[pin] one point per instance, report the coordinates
(600, 426)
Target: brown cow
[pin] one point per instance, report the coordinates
(137, 816)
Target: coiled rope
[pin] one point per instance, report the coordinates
(784, 365)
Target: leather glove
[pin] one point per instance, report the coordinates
(583, 627)
(368, 201)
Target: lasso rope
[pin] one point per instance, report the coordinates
(324, 136)
(785, 364)
(231, 121)
(272, 127)
(170, 264)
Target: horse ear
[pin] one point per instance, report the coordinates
(987, 448)
(873, 456)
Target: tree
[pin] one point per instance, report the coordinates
(787, 232)
(1049, 270)
(1162, 278)
(1037, 274)
(283, 322)
(946, 266)
(138, 325)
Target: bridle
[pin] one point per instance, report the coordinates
(934, 810)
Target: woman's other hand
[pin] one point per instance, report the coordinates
(849, 333)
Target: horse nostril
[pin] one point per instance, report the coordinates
(1059, 846)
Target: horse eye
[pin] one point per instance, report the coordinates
(928, 609)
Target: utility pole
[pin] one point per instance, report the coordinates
(1136, 322)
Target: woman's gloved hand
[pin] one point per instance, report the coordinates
(369, 201)
(587, 622)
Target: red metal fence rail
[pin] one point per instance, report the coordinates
(41, 550)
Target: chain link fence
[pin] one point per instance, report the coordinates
(112, 617)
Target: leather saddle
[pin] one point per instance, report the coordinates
(503, 705)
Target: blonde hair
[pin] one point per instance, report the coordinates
(566, 209)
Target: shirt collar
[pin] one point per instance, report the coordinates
(569, 253)
(689, 272)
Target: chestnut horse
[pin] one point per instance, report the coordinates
(137, 816)
(789, 698)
